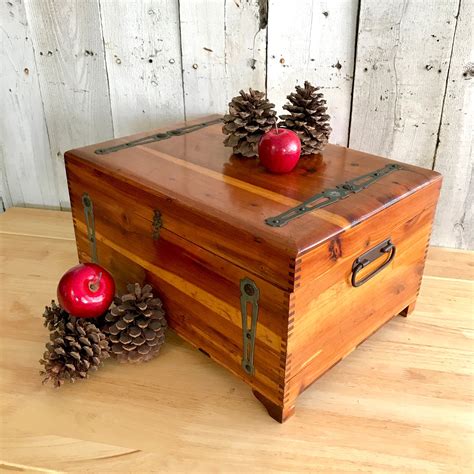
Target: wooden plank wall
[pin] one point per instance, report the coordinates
(314, 41)
(143, 57)
(398, 77)
(413, 98)
(453, 156)
(28, 174)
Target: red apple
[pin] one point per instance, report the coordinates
(86, 290)
(279, 150)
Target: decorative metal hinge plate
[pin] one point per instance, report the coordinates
(330, 196)
(157, 224)
(249, 296)
(157, 137)
(90, 224)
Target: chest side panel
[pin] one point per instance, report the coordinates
(200, 290)
(330, 316)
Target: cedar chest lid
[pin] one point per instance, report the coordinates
(196, 170)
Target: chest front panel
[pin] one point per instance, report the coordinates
(201, 291)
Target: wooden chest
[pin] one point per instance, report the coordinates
(275, 277)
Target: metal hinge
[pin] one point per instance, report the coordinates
(157, 137)
(89, 213)
(249, 296)
(330, 196)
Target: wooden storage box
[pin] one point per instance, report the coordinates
(252, 270)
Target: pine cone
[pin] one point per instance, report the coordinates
(308, 118)
(54, 315)
(76, 347)
(250, 116)
(136, 325)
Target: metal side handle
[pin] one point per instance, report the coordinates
(382, 249)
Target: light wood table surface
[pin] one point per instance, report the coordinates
(403, 401)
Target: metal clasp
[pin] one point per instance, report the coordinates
(157, 224)
(89, 213)
(249, 296)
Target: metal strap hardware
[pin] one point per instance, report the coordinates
(90, 224)
(249, 295)
(330, 196)
(157, 137)
(384, 248)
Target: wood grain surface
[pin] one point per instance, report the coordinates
(401, 403)
(400, 77)
(223, 51)
(195, 182)
(28, 175)
(331, 318)
(142, 51)
(455, 156)
(72, 76)
(212, 207)
(298, 40)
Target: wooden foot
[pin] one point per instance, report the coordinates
(408, 310)
(277, 412)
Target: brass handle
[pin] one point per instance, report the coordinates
(386, 247)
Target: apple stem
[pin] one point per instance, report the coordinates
(276, 127)
(94, 285)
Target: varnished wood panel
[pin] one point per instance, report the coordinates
(265, 257)
(200, 318)
(329, 317)
(327, 327)
(197, 172)
(341, 249)
(200, 290)
(213, 234)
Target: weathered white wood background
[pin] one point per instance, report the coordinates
(398, 76)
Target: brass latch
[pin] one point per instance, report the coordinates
(157, 224)
(249, 296)
(90, 224)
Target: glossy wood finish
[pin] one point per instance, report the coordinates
(213, 208)
(331, 317)
(200, 289)
(194, 174)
